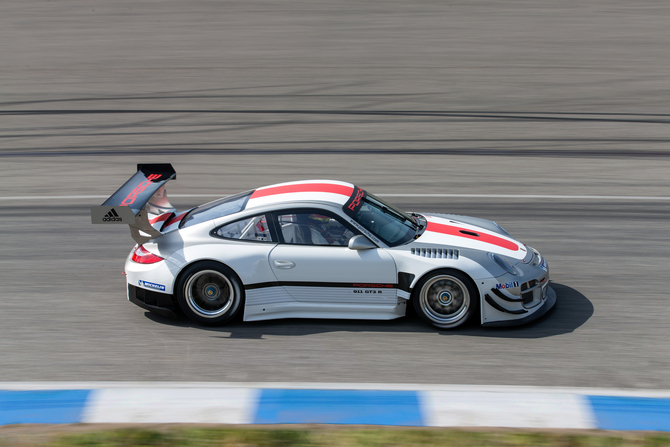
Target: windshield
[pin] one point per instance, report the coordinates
(218, 208)
(389, 224)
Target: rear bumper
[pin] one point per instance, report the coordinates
(548, 304)
(160, 303)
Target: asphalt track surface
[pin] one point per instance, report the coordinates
(489, 98)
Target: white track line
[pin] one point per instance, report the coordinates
(463, 196)
(519, 389)
(97, 197)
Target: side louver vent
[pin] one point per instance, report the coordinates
(444, 253)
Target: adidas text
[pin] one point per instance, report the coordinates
(112, 216)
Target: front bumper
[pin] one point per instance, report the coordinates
(546, 306)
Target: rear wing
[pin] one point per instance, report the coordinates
(128, 205)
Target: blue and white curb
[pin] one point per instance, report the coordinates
(360, 404)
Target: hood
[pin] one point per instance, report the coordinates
(470, 232)
(479, 222)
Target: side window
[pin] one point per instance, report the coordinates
(250, 229)
(308, 228)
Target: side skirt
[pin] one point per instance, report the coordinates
(296, 309)
(353, 301)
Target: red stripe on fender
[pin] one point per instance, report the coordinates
(304, 187)
(483, 237)
(160, 218)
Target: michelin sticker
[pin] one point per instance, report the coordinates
(507, 285)
(150, 285)
(544, 265)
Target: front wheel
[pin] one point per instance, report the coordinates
(445, 298)
(209, 293)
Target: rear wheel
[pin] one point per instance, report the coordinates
(209, 293)
(445, 298)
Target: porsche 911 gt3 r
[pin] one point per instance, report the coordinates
(320, 249)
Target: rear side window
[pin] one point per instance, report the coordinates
(249, 229)
(218, 208)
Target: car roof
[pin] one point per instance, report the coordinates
(329, 191)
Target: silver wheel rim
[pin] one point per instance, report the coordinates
(445, 300)
(209, 293)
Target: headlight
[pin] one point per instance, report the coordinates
(503, 263)
(537, 258)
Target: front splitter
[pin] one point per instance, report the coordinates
(548, 304)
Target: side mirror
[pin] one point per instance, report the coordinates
(360, 242)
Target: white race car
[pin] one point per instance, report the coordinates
(320, 249)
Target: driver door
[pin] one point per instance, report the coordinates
(315, 265)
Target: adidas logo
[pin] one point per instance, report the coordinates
(112, 217)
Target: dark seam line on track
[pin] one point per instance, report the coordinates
(347, 142)
(526, 117)
(260, 96)
(302, 111)
(471, 152)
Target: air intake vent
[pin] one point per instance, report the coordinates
(444, 253)
(527, 290)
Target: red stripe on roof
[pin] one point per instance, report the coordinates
(483, 237)
(304, 187)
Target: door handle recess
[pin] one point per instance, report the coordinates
(284, 264)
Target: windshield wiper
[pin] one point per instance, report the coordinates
(402, 218)
(416, 217)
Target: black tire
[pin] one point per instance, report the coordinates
(445, 298)
(209, 293)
